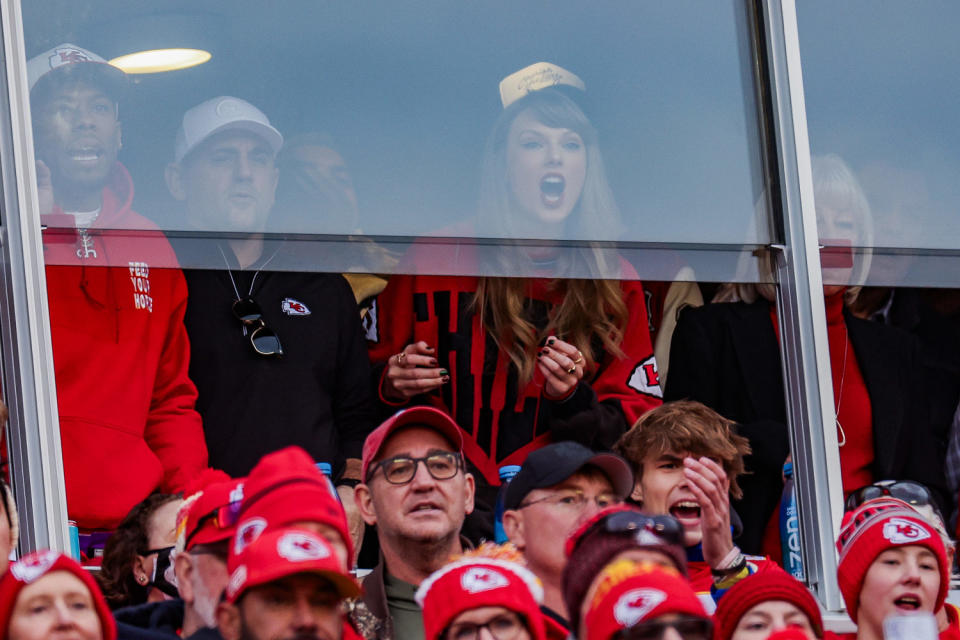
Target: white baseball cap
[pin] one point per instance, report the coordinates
(222, 114)
(69, 58)
(537, 76)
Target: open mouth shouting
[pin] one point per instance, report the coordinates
(552, 186)
(85, 154)
(908, 603)
(687, 512)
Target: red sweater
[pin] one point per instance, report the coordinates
(120, 353)
(502, 424)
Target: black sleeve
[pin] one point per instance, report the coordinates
(352, 404)
(581, 418)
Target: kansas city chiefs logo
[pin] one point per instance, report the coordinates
(34, 565)
(293, 307)
(299, 547)
(900, 531)
(247, 532)
(645, 378)
(480, 579)
(634, 605)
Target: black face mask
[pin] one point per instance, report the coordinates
(163, 578)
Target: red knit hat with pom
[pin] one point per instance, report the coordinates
(871, 529)
(38, 564)
(474, 582)
(629, 593)
(769, 583)
(284, 489)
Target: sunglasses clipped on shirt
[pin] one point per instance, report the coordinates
(262, 338)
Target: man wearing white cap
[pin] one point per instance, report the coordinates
(117, 298)
(278, 357)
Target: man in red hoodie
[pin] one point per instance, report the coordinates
(116, 297)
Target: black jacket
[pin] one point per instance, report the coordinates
(727, 356)
(315, 396)
(150, 621)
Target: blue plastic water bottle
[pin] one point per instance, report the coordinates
(790, 526)
(327, 472)
(506, 475)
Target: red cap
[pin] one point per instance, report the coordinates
(769, 583)
(34, 566)
(209, 514)
(426, 417)
(628, 593)
(286, 552)
(286, 488)
(871, 529)
(472, 583)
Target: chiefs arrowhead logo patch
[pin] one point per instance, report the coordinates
(293, 307)
(247, 532)
(634, 605)
(34, 565)
(298, 547)
(900, 531)
(645, 378)
(482, 579)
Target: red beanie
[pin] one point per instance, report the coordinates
(769, 583)
(472, 583)
(871, 529)
(284, 489)
(629, 593)
(34, 566)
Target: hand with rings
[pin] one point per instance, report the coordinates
(413, 371)
(562, 366)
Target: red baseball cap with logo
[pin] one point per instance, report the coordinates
(426, 417)
(210, 510)
(285, 552)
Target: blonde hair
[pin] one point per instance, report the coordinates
(592, 314)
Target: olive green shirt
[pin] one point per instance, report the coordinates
(406, 615)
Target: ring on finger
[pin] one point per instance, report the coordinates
(400, 357)
(572, 369)
(579, 358)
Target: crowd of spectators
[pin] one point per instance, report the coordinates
(195, 408)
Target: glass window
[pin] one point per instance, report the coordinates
(385, 110)
(879, 96)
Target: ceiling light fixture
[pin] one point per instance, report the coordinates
(159, 60)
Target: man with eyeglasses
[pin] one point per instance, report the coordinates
(278, 357)
(417, 492)
(559, 487)
(117, 297)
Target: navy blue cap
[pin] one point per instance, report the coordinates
(554, 463)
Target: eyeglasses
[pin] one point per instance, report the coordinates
(401, 470)
(574, 500)
(689, 629)
(502, 627)
(911, 492)
(665, 529)
(262, 338)
(222, 517)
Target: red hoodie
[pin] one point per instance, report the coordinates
(120, 353)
